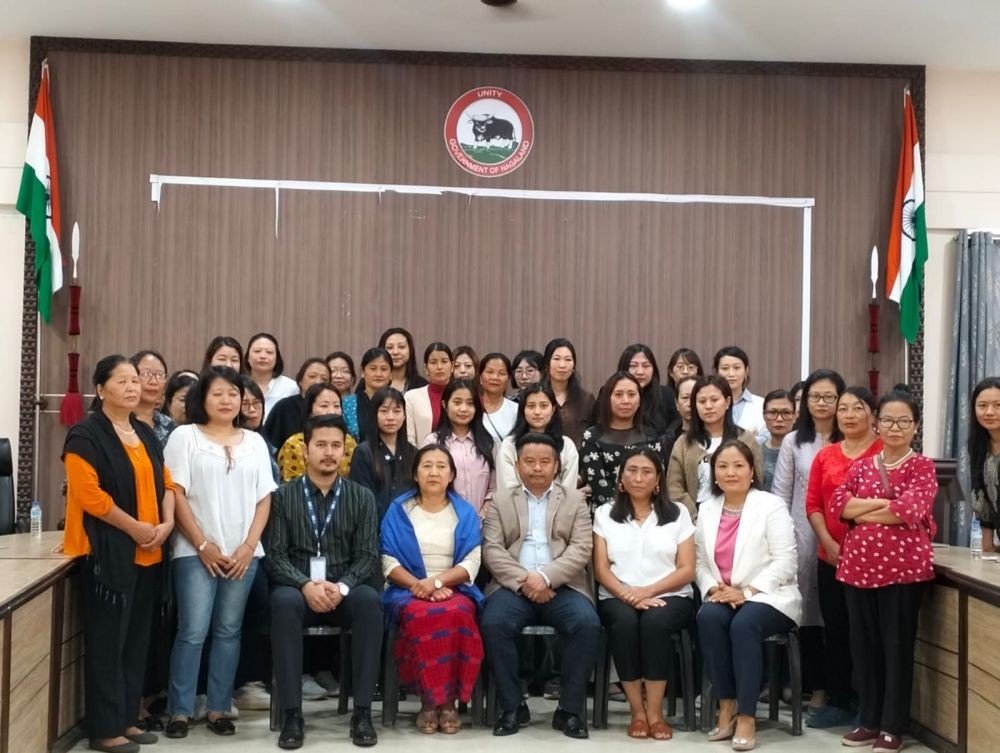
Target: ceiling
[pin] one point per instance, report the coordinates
(951, 34)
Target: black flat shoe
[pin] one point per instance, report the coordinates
(523, 715)
(570, 725)
(293, 732)
(221, 726)
(176, 729)
(362, 731)
(507, 724)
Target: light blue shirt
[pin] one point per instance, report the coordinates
(535, 554)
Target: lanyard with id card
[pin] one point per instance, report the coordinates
(317, 564)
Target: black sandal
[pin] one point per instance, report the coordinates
(221, 726)
(176, 728)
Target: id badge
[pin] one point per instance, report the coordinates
(317, 569)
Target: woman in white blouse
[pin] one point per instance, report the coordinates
(264, 364)
(746, 571)
(223, 495)
(537, 412)
(499, 412)
(644, 559)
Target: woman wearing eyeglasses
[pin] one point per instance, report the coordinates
(885, 560)
(152, 368)
(525, 370)
(779, 416)
(815, 428)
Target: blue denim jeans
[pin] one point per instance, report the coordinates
(206, 602)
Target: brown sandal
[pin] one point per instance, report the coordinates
(448, 721)
(639, 729)
(660, 730)
(427, 721)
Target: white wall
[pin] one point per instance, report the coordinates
(13, 135)
(963, 192)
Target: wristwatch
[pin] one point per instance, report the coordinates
(438, 583)
(344, 589)
(747, 593)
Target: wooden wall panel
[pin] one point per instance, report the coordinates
(495, 273)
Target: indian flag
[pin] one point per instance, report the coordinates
(908, 235)
(38, 199)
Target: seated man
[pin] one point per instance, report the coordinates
(322, 547)
(537, 542)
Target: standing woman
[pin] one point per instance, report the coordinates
(526, 369)
(423, 405)
(460, 430)
(644, 562)
(152, 370)
(223, 483)
(689, 474)
(683, 363)
(733, 364)
(398, 342)
(745, 569)
(264, 364)
(984, 457)
(466, 364)
(289, 415)
(576, 405)
(376, 373)
(855, 419)
(658, 405)
(342, 372)
(321, 400)
(119, 514)
(251, 417)
(175, 396)
(682, 403)
(885, 561)
(431, 550)
(499, 413)
(536, 412)
(815, 428)
(223, 351)
(384, 463)
(779, 416)
(618, 429)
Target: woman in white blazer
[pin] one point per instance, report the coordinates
(746, 570)
(423, 404)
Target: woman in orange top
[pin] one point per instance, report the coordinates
(119, 514)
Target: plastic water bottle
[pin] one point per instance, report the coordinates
(976, 540)
(36, 519)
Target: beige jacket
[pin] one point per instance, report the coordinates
(571, 540)
(682, 470)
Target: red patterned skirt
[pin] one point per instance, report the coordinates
(438, 649)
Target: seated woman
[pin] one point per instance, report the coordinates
(321, 400)
(746, 571)
(430, 555)
(644, 563)
(537, 413)
(385, 465)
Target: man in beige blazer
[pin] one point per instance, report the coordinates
(537, 543)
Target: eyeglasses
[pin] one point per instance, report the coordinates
(902, 423)
(773, 414)
(152, 376)
(249, 405)
(525, 370)
(828, 399)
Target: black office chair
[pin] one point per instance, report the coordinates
(8, 499)
(345, 671)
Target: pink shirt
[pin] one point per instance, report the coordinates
(874, 554)
(474, 481)
(725, 545)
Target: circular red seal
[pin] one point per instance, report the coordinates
(489, 131)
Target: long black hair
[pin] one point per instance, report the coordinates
(481, 438)
(604, 414)
(805, 425)
(574, 390)
(413, 377)
(651, 394)
(696, 429)
(979, 437)
(622, 509)
(406, 450)
(553, 429)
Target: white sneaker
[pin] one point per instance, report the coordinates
(326, 680)
(234, 713)
(252, 697)
(200, 708)
(311, 690)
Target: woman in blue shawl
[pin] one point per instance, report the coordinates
(430, 557)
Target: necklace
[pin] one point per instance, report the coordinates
(128, 432)
(731, 511)
(896, 463)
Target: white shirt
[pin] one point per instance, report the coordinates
(748, 414)
(705, 492)
(501, 423)
(222, 499)
(535, 553)
(640, 555)
(278, 389)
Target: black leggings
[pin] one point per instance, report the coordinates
(640, 639)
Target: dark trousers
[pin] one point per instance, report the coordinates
(255, 646)
(836, 635)
(732, 644)
(813, 657)
(574, 618)
(640, 639)
(361, 611)
(116, 633)
(883, 631)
